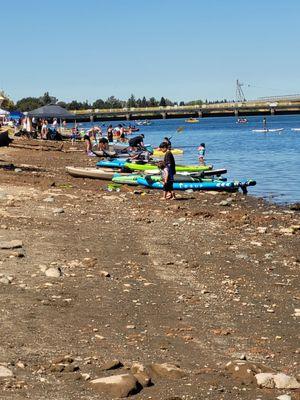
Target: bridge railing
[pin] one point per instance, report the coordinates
(213, 106)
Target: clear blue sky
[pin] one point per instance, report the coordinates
(178, 49)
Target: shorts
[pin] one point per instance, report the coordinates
(168, 186)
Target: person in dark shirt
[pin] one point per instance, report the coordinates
(170, 164)
(136, 142)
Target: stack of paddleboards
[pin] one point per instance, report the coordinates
(187, 177)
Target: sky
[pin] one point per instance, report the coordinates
(182, 50)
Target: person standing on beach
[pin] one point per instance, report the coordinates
(170, 165)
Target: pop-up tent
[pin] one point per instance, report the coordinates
(3, 113)
(51, 111)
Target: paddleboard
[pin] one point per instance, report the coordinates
(96, 173)
(267, 130)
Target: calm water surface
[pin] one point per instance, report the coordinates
(272, 159)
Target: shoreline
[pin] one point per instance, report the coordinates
(190, 282)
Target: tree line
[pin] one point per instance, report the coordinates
(30, 103)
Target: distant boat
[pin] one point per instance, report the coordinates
(267, 130)
(144, 123)
(192, 120)
(295, 129)
(242, 121)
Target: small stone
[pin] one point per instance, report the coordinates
(117, 385)
(265, 380)
(283, 381)
(284, 397)
(130, 326)
(140, 372)
(49, 200)
(5, 372)
(167, 370)
(105, 274)
(111, 364)
(18, 170)
(58, 210)
(13, 244)
(53, 272)
(5, 280)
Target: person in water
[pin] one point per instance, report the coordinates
(171, 166)
(201, 153)
(136, 142)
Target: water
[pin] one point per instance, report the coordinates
(271, 159)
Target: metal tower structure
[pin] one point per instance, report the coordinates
(239, 94)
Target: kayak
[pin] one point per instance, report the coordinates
(115, 163)
(192, 120)
(267, 130)
(159, 153)
(218, 185)
(85, 172)
(147, 166)
(131, 179)
(184, 178)
(126, 179)
(142, 166)
(200, 185)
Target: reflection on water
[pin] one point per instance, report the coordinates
(272, 159)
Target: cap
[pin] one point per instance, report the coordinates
(163, 145)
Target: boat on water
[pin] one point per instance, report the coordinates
(242, 121)
(144, 123)
(295, 129)
(267, 130)
(192, 120)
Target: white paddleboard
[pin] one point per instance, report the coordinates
(267, 130)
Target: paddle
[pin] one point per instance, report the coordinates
(178, 130)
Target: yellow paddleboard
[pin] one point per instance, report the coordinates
(159, 153)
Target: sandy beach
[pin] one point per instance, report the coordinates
(90, 277)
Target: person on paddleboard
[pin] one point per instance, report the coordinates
(264, 123)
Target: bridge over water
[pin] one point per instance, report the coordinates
(246, 108)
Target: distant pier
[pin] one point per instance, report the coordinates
(236, 109)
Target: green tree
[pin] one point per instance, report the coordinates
(28, 104)
(162, 102)
(99, 104)
(144, 102)
(182, 103)
(153, 102)
(131, 102)
(47, 99)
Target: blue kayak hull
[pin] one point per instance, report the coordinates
(189, 185)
